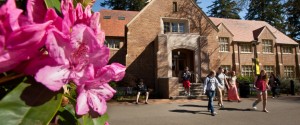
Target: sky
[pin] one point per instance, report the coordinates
(203, 5)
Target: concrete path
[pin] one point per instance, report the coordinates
(282, 111)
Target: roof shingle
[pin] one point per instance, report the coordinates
(248, 30)
(114, 26)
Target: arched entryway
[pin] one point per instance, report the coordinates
(182, 58)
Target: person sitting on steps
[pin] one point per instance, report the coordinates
(142, 89)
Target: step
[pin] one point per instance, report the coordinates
(189, 97)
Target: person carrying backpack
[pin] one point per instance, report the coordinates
(210, 85)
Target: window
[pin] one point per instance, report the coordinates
(246, 48)
(288, 71)
(247, 71)
(223, 44)
(267, 46)
(287, 49)
(113, 43)
(226, 67)
(174, 27)
(106, 17)
(175, 7)
(167, 27)
(121, 18)
(269, 69)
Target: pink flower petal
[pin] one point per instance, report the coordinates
(97, 103)
(57, 45)
(81, 104)
(36, 10)
(114, 72)
(103, 90)
(27, 36)
(53, 77)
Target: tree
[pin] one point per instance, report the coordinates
(224, 9)
(292, 12)
(134, 5)
(270, 11)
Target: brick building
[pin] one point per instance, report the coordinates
(167, 35)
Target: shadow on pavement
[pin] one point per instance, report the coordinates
(189, 111)
(192, 105)
(235, 109)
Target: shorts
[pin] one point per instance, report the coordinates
(260, 92)
(186, 84)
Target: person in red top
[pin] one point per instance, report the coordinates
(261, 85)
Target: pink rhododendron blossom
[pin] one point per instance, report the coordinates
(93, 89)
(20, 39)
(75, 42)
(72, 53)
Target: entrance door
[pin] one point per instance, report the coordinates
(182, 58)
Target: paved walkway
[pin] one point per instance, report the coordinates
(283, 111)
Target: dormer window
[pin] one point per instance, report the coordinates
(121, 18)
(106, 17)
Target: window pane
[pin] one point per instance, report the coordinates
(267, 46)
(269, 69)
(223, 44)
(166, 27)
(289, 71)
(246, 70)
(174, 27)
(181, 27)
(246, 48)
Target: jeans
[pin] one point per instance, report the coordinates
(210, 95)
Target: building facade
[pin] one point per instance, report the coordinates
(169, 35)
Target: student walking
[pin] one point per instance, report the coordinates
(221, 77)
(210, 85)
(232, 89)
(261, 85)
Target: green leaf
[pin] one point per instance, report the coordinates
(53, 4)
(88, 120)
(67, 115)
(29, 104)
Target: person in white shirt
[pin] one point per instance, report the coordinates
(223, 81)
(210, 85)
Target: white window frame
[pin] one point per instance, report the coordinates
(174, 27)
(269, 69)
(287, 49)
(223, 44)
(246, 48)
(267, 46)
(289, 71)
(113, 43)
(247, 70)
(226, 67)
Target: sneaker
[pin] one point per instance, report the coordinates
(214, 113)
(146, 102)
(254, 108)
(266, 111)
(222, 106)
(273, 97)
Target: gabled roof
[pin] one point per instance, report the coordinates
(249, 30)
(114, 26)
(192, 1)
